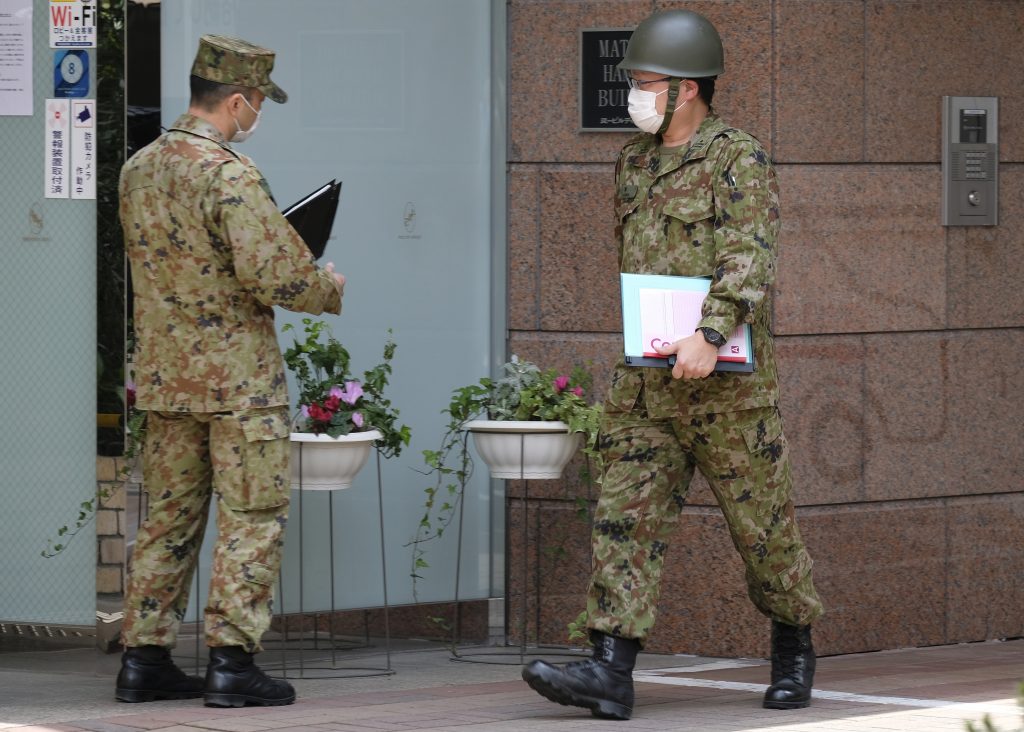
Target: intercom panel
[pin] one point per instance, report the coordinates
(970, 161)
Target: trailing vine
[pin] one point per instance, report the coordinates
(135, 433)
(524, 392)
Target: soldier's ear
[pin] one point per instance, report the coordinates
(235, 102)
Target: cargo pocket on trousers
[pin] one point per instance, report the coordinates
(264, 481)
(791, 576)
(624, 393)
(258, 574)
(764, 438)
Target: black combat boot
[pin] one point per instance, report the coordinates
(793, 664)
(234, 680)
(603, 683)
(149, 674)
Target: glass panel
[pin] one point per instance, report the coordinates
(48, 362)
(393, 97)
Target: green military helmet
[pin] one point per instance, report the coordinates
(677, 43)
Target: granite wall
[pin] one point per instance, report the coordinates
(900, 340)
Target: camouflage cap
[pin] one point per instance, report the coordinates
(229, 60)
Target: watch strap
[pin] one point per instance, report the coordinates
(712, 336)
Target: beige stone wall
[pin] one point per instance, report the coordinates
(110, 528)
(900, 340)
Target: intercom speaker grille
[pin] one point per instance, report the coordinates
(980, 167)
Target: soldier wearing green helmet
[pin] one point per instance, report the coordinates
(694, 197)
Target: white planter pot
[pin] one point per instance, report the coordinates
(329, 463)
(531, 450)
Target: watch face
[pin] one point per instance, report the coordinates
(713, 337)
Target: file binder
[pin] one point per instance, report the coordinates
(313, 216)
(661, 309)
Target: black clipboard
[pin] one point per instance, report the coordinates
(313, 216)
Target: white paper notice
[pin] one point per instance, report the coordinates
(83, 148)
(16, 57)
(72, 23)
(58, 150)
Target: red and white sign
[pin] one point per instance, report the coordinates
(58, 147)
(72, 23)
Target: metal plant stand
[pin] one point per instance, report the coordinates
(293, 649)
(505, 657)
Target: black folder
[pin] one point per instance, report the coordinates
(313, 216)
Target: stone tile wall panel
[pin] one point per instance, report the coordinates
(937, 422)
(917, 52)
(819, 77)
(524, 247)
(986, 263)
(579, 260)
(862, 250)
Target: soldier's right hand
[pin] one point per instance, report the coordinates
(339, 279)
(695, 357)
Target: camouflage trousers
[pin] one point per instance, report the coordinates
(243, 458)
(648, 468)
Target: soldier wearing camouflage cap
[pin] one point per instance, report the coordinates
(211, 256)
(694, 197)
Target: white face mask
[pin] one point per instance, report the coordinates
(243, 135)
(643, 109)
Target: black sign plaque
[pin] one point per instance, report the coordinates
(603, 85)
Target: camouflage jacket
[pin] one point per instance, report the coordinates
(210, 255)
(709, 210)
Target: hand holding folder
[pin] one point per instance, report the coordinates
(658, 310)
(313, 216)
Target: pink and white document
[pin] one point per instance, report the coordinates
(661, 309)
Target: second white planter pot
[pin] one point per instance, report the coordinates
(325, 463)
(529, 450)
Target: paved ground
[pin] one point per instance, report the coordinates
(920, 690)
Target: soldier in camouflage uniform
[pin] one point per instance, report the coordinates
(211, 255)
(698, 198)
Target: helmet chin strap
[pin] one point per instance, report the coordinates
(670, 104)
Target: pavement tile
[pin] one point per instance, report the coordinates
(99, 725)
(241, 724)
(142, 721)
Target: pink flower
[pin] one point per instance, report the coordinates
(336, 391)
(357, 419)
(560, 383)
(353, 390)
(304, 411)
(578, 391)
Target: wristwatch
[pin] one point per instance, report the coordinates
(712, 336)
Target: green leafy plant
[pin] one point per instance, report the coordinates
(578, 632)
(135, 435)
(986, 722)
(333, 402)
(524, 392)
